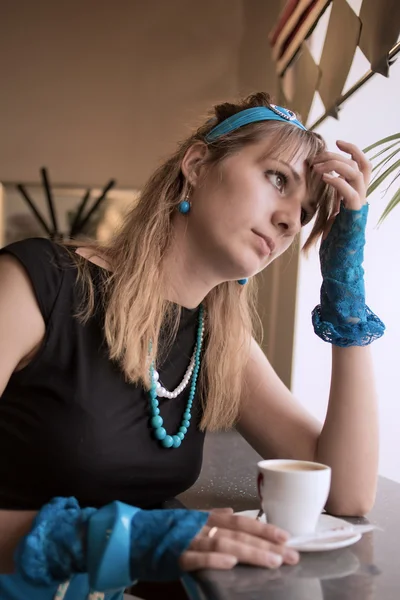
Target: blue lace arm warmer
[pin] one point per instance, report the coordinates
(147, 546)
(342, 318)
(158, 538)
(54, 549)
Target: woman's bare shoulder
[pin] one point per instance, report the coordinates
(22, 325)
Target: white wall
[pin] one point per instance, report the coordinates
(370, 114)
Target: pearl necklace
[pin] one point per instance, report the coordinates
(162, 392)
(156, 421)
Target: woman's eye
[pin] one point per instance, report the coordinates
(278, 180)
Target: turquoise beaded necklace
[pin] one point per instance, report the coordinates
(156, 421)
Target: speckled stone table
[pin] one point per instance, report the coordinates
(369, 570)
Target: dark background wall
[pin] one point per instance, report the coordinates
(96, 89)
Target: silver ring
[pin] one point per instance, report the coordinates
(212, 532)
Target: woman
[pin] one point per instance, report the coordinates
(109, 379)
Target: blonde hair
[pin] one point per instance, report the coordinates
(132, 293)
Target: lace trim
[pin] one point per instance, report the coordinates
(342, 317)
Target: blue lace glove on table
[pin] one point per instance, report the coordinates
(116, 545)
(342, 318)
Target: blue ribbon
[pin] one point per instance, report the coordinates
(253, 115)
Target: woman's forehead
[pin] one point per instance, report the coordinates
(294, 154)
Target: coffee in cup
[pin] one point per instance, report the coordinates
(293, 493)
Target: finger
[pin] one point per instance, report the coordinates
(205, 542)
(227, 511)
(357, 158)
(193, 561)
(228, 541)
(351, 172)
(245, 553)
(325, 156)
(351, 198)
(358, 155)
(252, 526)
(353, 176)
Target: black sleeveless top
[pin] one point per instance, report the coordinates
(70, 425)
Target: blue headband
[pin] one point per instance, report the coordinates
(253, 115)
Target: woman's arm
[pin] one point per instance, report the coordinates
(14, 525)
(348, 440)
(22, 327)
(21, 331)
(276, 425)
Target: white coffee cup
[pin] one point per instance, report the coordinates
(293, 493)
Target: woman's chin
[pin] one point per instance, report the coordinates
(244, 269)
(246, 274)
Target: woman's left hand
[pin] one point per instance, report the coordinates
(342, 317)
(354, 174)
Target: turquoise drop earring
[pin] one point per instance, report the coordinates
(184, 205)
(242, 281)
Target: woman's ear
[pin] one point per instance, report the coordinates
(193, 163)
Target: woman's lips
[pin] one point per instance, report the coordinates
(265, 244)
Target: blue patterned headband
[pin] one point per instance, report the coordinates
(253, 115)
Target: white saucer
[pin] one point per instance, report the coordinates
(324, 522)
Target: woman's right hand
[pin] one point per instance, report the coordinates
(237, 539)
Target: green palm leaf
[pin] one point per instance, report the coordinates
(385, 150)
(395, 136)
(393, 169)
(382, 177)
(394, 202)
(383, 162)
(386, 160)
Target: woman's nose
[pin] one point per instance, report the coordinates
(287, 220)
